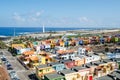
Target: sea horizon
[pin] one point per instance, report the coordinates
(9, 31)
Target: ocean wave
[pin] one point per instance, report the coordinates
(24, 33)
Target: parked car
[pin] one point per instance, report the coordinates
(8, 65)
(9, 68)
(3, 58)
(15, 78)
(13, 75)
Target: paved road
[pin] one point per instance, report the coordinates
(22, 73)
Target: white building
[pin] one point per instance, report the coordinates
(81, 51)
(92, 58)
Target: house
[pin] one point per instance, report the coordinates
(91, 58)
(26, 56)
(70, 74)
(58, 66)
(88, 50)
(66, 54)
(92, 68)
(47, 47)
(84, 73)
(79, 61)
(20, 51)
(52, 45)
(102, 40)
(66, 43)
(104, 67)
(41, 70)
(116, 39)
(68, 63)
(111, 55)
(86, 41)
(72, 42)
(16, 48)
(54, 76)
(28, 53)
(62, 43)
(102, 56)
(46, 57)
(112, 63)
(34, 61)
(81, 42)
(81, 51)
(113, 76)
(35, 43)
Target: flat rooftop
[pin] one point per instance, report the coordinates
(53, 75)
(67, 71)
(79, 68)
(42, 66)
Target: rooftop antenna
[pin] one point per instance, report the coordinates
(43, 28)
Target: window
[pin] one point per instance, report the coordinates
(40, 70)
(46, 60)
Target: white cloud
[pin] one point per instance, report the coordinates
(39, 13)
(84, 19)
(18, 17)
(28, 18)
(38, 19)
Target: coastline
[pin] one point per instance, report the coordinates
(60, 33)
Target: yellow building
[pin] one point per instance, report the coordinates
(45, 58)
(41, 70)
(18, 45)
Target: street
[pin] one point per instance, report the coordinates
(22, 73)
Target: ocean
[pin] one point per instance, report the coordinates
(9, 31)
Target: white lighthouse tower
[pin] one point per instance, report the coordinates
(14, 31)
(43, 28)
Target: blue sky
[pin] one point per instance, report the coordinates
(60, 13)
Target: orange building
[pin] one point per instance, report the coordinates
(79, 61)
(34, 61)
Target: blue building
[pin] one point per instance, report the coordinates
(111, 55)
(58, 66)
